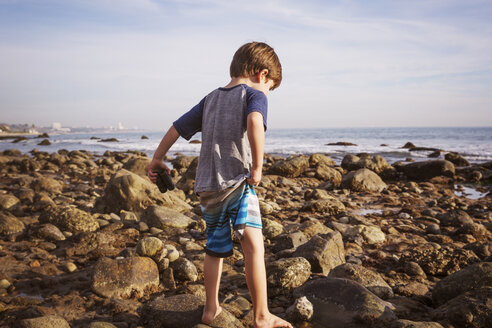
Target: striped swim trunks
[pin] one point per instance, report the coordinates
(238, 207)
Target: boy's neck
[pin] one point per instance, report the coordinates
(240, 80)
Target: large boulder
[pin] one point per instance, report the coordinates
(48, 321)
(163, 217)
(331, 177)
(456, 159)
(363, 180)
(184, 311)
(10, 225)
(138, 165)
(429, 169)
(287, 274)
(324, 252)
(69, 219)
(124, 278)
(473, 277)
(367, 278)
(321, 159)
(345, 303)
(290, 167)
(130, 192)
(377, 163)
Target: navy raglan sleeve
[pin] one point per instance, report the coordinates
(191, 122)
(257, 102)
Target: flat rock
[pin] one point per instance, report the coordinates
(48, 321)
(123, 278)
(344, 303)
(367, 278)
(324, 252)
(162, 217)
(363, 180)
(473, 277)
(69, 219)
(429, 169)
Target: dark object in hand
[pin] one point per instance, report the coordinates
(164, 181)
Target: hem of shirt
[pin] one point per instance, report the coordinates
(219, 255)
(235, 183)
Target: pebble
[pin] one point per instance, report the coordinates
(4, 283)
(71, 267)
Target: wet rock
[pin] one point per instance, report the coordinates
(184, 270)
(138, 165)
(45, 142)
(324, 252)
(439, 261)
(414, 324)
(456, 159)
(288, 241)
(286, 274)
(44, 322)
(8, 202)
(49, 232)
(47, 184)
(10, 225)
(429, 169)
(163, 217)
(363, 180)
(129, 191)
(344, 302)
(473, 277)
(290, 167)
(317, 159)
(341, 143)
(124, 278)
(301, 310)
(69, 219)
(184, 311)
(472, 309)
(367, 278)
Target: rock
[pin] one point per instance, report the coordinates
(138, 165)
(69, 219)
(312, 227)
(286, 274)
(144, 137)
(472, 309)
(271, 229)
(290, 167)
(10, 225)
(109, 140)
(330, 176)
(341, 143)
(429, 169)
(373, 234)
(8, 202)
(344, 302)
(187, 181)
(412, 288)
(456, 159)
(45, 142)
(149, 247)
(163, 217)
(473, 277)
(124, 278)
(367, 278)
(317, 159)
(329, 206)
(4, 284)
(413, 269)
(439, 261)
(324, 252)
(47, 184)
(477, 230)
(184, 270)
(184, 311)
(183, 162)
(129, 191)
(48, 321)
(101, 324)
(414, 324)
(49, 232)
(71, 267)
(363, 180)
(290, 240)
(301, 310)
(455, 218)
(408, 145)
(376, 164)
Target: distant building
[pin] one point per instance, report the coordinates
(120, 126)
(57, 127)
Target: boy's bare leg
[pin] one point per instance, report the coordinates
(254, 258)
(212, 270)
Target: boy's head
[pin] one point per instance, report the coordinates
(251, 58)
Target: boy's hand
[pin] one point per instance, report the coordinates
(255, 177)
(156, 166)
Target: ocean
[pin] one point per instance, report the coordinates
(474, 143)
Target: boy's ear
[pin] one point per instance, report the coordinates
(262, 74)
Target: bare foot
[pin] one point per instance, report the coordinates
(210, 314)
(271, 321)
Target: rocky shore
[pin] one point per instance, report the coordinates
(87, 240)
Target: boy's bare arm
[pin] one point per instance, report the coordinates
(256, 137)
(157, 163)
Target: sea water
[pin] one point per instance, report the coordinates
(474, 143)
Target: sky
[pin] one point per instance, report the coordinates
(345, 63)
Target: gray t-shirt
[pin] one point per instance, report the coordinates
(225, 155)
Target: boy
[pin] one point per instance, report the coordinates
(232, 120)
